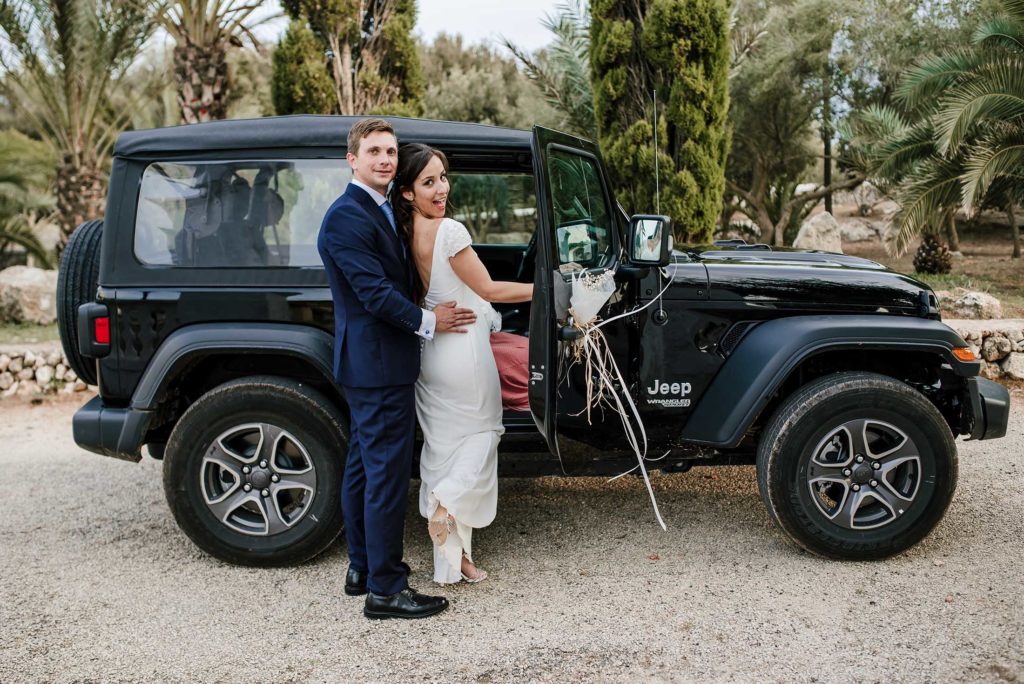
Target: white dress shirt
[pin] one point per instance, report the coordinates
(429, 322)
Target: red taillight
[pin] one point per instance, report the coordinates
(101, 330)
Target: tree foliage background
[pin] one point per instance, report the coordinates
(348, 57)
(681, 49)
(954, 136)
(820, 61)
(476, 83)
(765, 89)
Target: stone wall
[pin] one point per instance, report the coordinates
(39, 369)
(999, 343)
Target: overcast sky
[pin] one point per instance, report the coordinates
(479, 21)
(485, 20)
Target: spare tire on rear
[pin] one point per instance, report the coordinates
(77, 282)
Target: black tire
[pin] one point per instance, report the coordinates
(239, 413)
(77, 282)
(818, 492)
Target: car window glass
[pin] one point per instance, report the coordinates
(583, 221)
(496, 208)
(245, 214)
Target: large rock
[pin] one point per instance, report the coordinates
(857, 229)
(740, 228)
(995, 347)
(962, 303)
(28, 295)
(991, 371)
(820, 232)
(44, 375)
(1013, 365)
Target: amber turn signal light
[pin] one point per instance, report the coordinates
(964, 354)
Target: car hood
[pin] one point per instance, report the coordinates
(821, 281)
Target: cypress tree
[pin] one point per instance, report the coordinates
(299, 82)
(681, 49)
(400, 61)
(366, 51)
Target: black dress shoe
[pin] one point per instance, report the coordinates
(405, 604)
(355, 582)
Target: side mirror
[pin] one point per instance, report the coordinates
(650, 240)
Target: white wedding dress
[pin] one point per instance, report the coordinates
(458, 404)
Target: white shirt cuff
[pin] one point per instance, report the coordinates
(428, 325)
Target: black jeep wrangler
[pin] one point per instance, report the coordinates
(200, 307)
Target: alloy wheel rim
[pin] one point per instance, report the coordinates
(864, 474)
(257, 479)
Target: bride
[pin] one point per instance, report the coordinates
(458, 395)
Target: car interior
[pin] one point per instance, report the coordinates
(244, 215)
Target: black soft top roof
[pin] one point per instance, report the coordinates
(307, 131)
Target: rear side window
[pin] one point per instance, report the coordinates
(242, 214)
(497, 208)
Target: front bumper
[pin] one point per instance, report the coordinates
(115, 432)
(990, 408)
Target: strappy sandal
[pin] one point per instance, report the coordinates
(440, 526)
(481, 575)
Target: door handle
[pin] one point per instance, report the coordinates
(568, 333)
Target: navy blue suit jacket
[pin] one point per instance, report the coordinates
(375, 321)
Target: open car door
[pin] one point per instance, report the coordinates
(577, 231)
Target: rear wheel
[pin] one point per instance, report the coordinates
(77, 281)
(252, 472)
(857, 466)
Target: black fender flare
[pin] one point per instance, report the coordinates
(119, 432)
(310, 344)
(773, 349)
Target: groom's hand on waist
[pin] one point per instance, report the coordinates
(451, 319)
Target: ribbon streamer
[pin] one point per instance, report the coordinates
(592, 349)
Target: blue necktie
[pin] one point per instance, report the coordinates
(386, 208)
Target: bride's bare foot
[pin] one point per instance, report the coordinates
(439, 525)
(470, 572)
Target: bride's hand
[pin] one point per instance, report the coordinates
(450, 319)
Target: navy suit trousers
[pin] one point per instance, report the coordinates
(376, 485)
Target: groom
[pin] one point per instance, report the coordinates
(376, 362)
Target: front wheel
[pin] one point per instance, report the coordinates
(252, 472)
(857, 466)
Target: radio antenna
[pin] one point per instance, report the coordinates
(657, 193)
(660, 313)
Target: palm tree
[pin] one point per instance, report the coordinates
(562, 72)
(204, 31)
(17, 231)
(25, 169)
(62, 61)
(901, 158)
(966, 144)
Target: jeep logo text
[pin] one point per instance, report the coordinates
(676, 388)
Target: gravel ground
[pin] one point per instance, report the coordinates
(98, 584)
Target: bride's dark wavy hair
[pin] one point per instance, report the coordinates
(412, 159)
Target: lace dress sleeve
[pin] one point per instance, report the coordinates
(456, 239)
